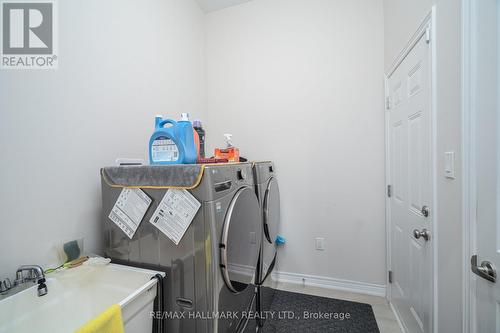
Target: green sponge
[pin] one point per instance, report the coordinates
(72, 250)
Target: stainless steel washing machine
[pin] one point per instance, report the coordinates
(210, 273)
(267, 190)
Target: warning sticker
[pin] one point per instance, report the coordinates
(129, 210)
(175, 213)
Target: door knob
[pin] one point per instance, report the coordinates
(486, 270)
(425, 211)
(424, 234)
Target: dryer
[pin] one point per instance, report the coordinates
(212, 270)
(267, 190)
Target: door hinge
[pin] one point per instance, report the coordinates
(389, 191)
(387, 103)
(428, 35)
(390, 276)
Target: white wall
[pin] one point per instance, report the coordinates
(401, 20)
(402, 17)
(121, 62)
(300, 82)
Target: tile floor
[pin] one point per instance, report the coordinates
(386, 320)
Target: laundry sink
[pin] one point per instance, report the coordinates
(79, 294)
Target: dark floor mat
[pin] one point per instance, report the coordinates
(293, 312)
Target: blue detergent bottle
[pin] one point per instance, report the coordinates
(170, 144)
(164, 146)
(185, 132)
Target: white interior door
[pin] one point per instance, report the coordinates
(485, 166)
(410, 159)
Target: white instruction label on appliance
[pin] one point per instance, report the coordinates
(175, 213)
(129, 210)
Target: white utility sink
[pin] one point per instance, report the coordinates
(79, 294)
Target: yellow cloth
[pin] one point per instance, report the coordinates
(110, 321)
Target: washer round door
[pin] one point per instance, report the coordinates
(271, 207)
(241, 239)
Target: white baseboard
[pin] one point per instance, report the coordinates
(330, 283)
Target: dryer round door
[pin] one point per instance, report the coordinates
(271, 207)
(241, 239)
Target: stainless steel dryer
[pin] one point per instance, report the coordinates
(212, 270)
(267, 190)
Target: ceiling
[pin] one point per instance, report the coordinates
(213, 5)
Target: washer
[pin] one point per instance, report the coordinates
(213, 268)
(267, 190)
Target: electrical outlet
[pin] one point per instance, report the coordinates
(320, 244)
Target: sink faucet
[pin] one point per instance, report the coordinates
(34, 274)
